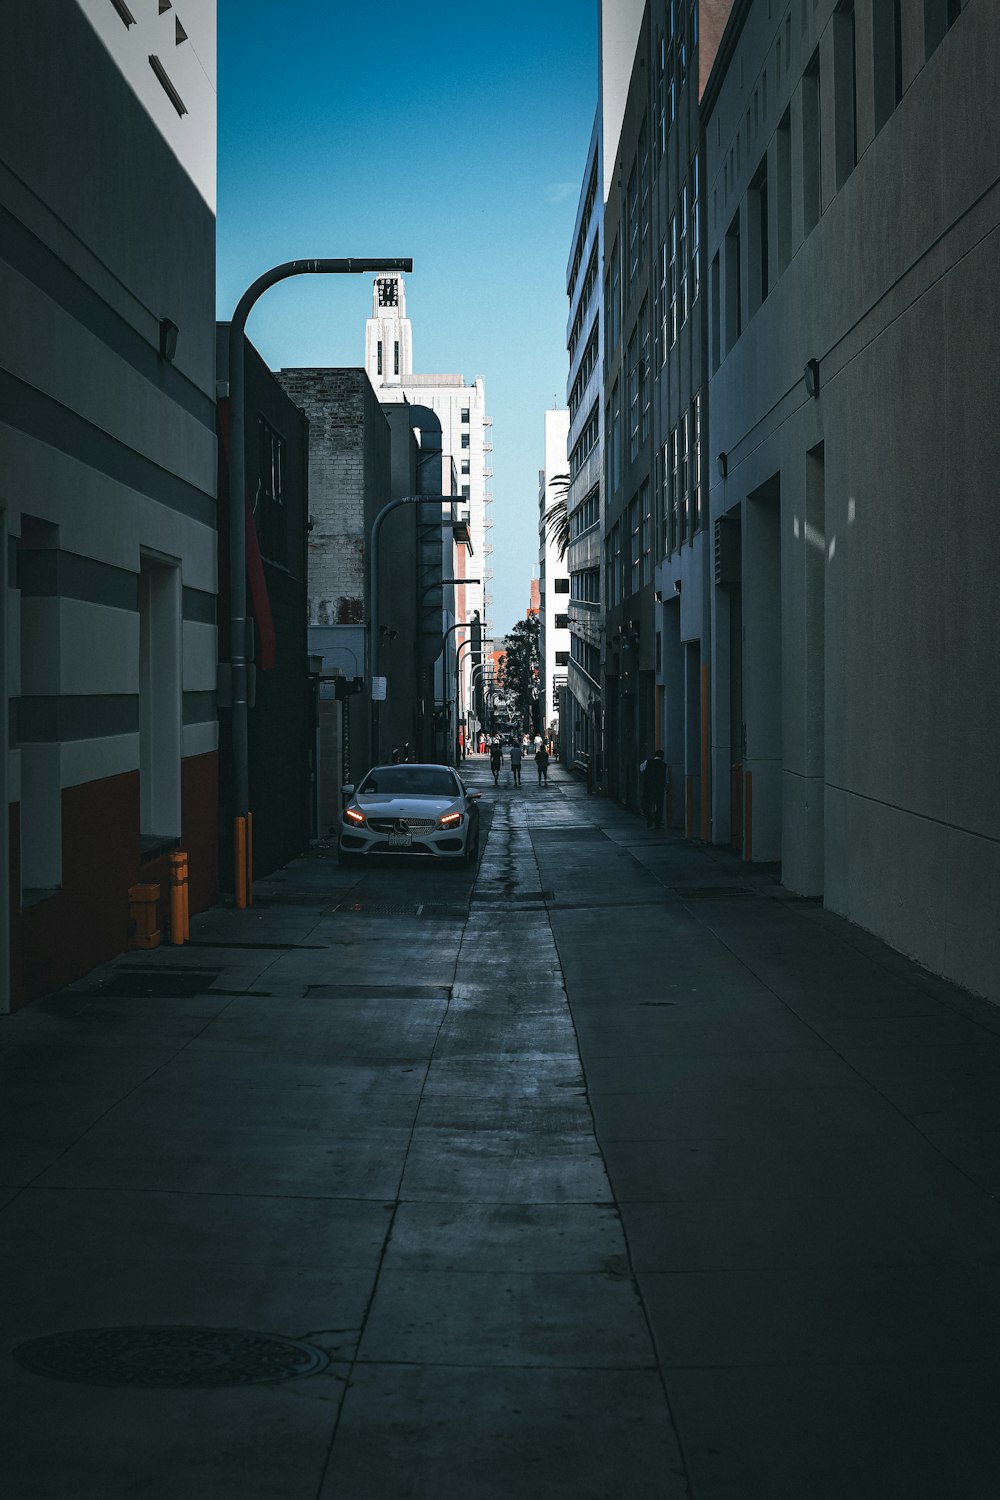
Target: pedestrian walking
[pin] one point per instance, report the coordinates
(496, 761)
(515, 763)
(654, 773)
(542, 762)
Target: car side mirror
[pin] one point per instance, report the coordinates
(348, 790)
(472, 794)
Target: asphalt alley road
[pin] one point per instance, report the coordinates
(606, 1170)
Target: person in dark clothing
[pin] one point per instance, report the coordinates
(542, 762)
(496, 761)
(654, 783)
(515, 762)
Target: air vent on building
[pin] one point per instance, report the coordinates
(727, 550)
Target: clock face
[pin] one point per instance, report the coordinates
(388, 293)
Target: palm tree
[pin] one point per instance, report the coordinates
(556, 518)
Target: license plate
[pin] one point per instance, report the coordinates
(400, 841)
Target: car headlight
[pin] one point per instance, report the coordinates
(351, 815)
(450, 820)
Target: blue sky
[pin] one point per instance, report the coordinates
(450, 133)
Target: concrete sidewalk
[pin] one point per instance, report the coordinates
(607, 1170)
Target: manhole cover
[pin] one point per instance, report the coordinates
(710, 892)
(160, 983)
(375, 909)
(169, 1357)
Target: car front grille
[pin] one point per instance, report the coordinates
(404, 825)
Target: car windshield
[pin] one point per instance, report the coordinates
(410, 781)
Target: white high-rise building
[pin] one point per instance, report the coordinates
(460, 409)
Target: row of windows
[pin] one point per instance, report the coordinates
(677, 41)
(587, 367)
(679, 480)
(586, 514)
(585, 586)
(628, 549)
(583, 311)
(587, 657)
(680, 264)
(588, 208)
(769, 236)
(395, 357)
(586, 442)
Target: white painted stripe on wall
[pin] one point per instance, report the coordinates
(98, 648)
(93, 760)
(200, 657)
(100, 518)
(199, 739)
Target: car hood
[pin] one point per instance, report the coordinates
(386, 805)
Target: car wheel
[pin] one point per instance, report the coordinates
(472, 850)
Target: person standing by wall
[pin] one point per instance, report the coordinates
(542, 762)
(654, 782)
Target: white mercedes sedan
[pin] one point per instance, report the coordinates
(410, 809)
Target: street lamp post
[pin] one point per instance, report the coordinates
(237, 537)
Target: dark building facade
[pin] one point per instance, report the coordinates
(281, 722)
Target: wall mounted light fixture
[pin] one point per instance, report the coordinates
(811, 376)
(723, 463)
(168, 340)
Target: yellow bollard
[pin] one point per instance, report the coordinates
(179, 931)
(142, 929)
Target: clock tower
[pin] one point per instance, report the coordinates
(388, 336)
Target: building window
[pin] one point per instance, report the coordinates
(939, 17)
(465, 440)
(465, 414)
(661, 98)
(845, 91)
(734, 284)
(585, 443)
(586, 515)
(561, 586)
(562, 621)
(562, 658)
(683, 444)
(269, 511)
(783, 185)
(466, 466)
(696, 485)
(616, 437)
(635, 548)
(380, 356)
(587, 586)
(643, 188)
(672, 281)
(757, 215)
(646, 533)
(695, 231)
(674, 490)
(644, 380)
(395, 357)
(465, 492)
(887, 47)
(682, 254)
(662, 328)
(812, 152)
(632, 378)
(632, 224)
